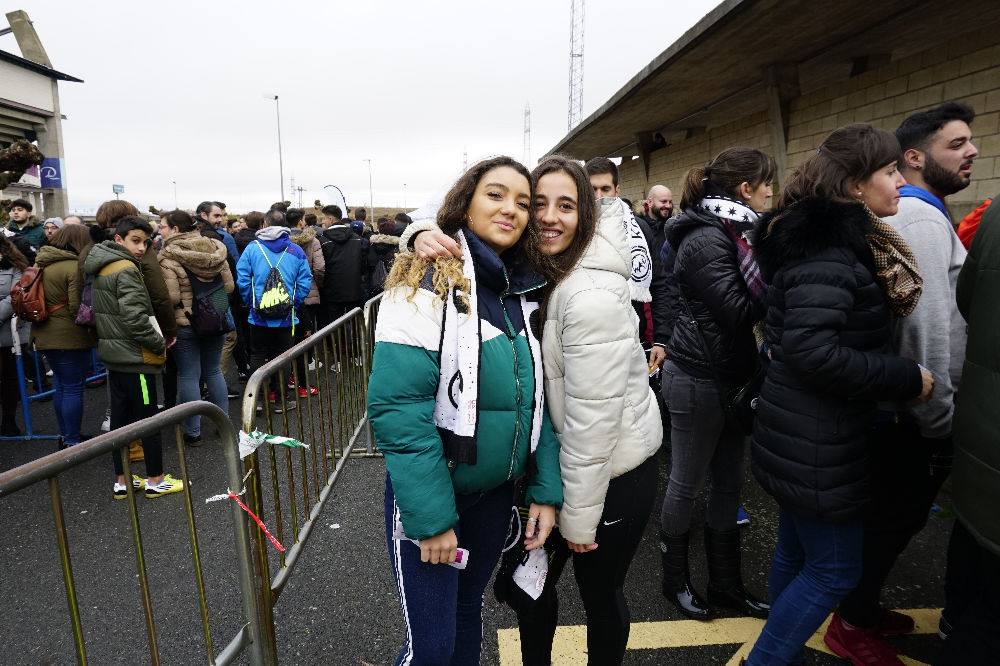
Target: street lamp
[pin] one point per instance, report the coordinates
(371, 196)
(281, 166)
(175, 193)
(404, 195)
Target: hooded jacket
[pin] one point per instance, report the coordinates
(127, 340)
(346, 273)
(596, 379)
(152, 277)
(272, 247)
(976, 474)
(403, 388)
(204, 257)
(706, 271)
(828, 329)
(63, 283)
(306, 239)
(33, 232)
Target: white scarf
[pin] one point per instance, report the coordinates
(456, 411)
(642, 264)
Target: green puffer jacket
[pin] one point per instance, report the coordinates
(127, 341)
(402, 392)
(33, 232)
(63, 283)
(976, 474)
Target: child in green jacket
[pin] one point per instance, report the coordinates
(131, 346)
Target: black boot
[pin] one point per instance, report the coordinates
(676, 580)
(725, 582)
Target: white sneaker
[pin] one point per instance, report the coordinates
(106, 424)
(314, 365)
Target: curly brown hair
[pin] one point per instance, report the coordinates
(110, 212)
(408, 269)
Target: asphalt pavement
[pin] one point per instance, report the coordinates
(340, 605)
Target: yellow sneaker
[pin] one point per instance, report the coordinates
(168, 485)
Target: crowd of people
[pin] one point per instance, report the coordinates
(540, 341)
(517, 345)
(194, 300)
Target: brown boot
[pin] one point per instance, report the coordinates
(135, 452)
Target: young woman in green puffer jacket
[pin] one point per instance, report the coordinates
(455, 399)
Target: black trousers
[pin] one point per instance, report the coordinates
(972, 593)
(267, 344)
(133, 398)
(600, 575)
(906, 473)
(344, 345)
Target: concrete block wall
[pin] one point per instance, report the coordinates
(966, 70)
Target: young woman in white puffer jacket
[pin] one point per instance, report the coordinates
(598, 396)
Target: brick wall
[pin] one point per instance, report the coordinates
(966, 70)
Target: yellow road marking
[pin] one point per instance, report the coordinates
(569, 647)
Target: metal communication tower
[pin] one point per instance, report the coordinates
(576, 20)
(527, 134)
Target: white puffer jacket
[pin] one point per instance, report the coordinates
(596, 380)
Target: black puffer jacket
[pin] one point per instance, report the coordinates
(706, 270)
(345, 255)
(827, 326)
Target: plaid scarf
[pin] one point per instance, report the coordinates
(895, 266)
(738, 220)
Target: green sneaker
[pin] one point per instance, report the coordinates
(165, 487)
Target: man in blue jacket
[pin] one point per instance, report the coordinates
(273, 303)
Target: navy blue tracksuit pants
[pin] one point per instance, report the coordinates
(443, 606)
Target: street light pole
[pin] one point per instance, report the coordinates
(371, 195)
(281, 165)
(175, 193)
(404, 195)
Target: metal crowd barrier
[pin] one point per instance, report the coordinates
(26, 397)
(48, 469)
(299, 481)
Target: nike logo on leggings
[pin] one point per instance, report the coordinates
(612, 522)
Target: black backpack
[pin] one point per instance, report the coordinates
(379, 274)
(209, 306)
(275, 301)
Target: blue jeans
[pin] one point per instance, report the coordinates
(198, 360)
(69, 371)
(443, 606)
(816, 564)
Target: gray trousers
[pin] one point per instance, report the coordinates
(701, 443)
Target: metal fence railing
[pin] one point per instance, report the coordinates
(48, 470)
(290, 487)
(286, 487)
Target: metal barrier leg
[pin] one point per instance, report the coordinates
(67, 569)
(140, 560)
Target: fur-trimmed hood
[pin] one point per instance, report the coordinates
(808, 227)
(202, 256)
(303, 237)
(384, 239)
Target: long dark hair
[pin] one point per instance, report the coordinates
(555, 268)
(9, 254)
(725, 173)
(849, 155)
(180, 220)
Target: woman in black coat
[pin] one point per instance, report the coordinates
(712, 343)
(827, 327)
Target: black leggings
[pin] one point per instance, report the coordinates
(133, 398)
(9, 391)
(600, 575)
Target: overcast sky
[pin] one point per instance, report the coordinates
(174, 91)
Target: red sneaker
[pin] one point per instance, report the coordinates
(862, 647)
(304, 392)
(894, 623)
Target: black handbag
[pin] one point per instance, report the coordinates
(739, 403)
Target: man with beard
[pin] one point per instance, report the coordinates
(912, 444)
